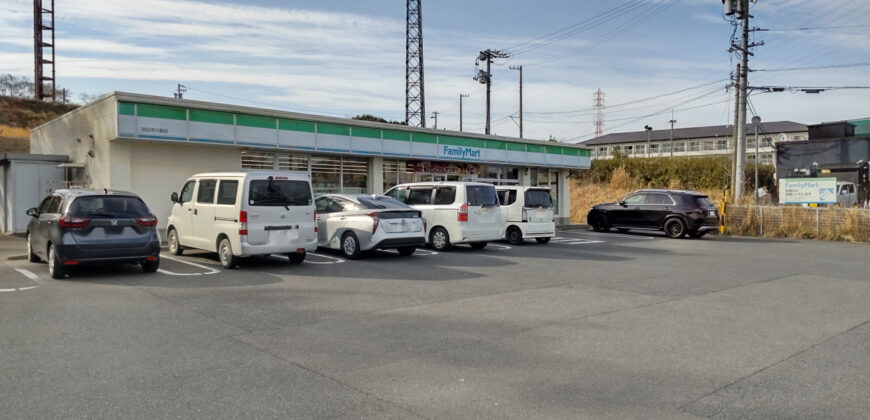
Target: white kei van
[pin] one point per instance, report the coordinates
(240, 214)
(455, 212)
(527, 213)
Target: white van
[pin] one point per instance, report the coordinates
(240, 214)
(527, 213)
(455, 212)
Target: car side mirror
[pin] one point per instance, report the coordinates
(174, 197)
(32, 212)
(622, 203)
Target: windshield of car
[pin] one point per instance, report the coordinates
(704, 201)
(381, 202)
(264, 192)
(481, 195)
(108, 207)
(538, 198)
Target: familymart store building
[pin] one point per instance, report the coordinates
(150, 145)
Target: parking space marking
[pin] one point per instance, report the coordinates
(419, 251)
(499, 246)
(27, 273)
(614, 235)
(335, 260)
(574, 241)
(172, 273)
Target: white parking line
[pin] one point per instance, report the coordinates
(615, 235)
(172, 273)
(499, 246)
(573, 241)
(335, 260)
(27, 273)
(419, 251)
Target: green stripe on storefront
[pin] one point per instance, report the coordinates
(397, 135)
(424, 138)
(371, 133)
(459, 141)
(126, 108)
(214, 117)
(554, 150)
(534, 148)
(495, 144)
(255, 121)
(570, 152)
(294, 125)
(334, 129)
(516, 147)
(161, 111)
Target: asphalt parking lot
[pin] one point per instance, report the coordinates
(592, 325)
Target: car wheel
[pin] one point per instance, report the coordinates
(543, 240)
(296, 257)
(55, 267)
(151, 266)
(406, 250)
(478, 245)
(515, 236)
(174, 246)
(30, 255)
(439, 239)
(599, 223)
(697, 235)
(225, 253)
(675, 228)
(350, 245)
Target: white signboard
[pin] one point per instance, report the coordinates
(808, 190)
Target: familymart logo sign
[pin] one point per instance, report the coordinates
(461, 152)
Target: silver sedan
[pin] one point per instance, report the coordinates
(353, 223)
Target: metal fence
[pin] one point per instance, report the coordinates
(829, 223)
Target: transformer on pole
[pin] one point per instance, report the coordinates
(43, 27)
(415, 103)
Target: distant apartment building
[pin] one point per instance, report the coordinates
(697, 141)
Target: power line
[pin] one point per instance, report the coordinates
(816, 28)
(827, 66)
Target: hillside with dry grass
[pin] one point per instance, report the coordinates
(19, 115)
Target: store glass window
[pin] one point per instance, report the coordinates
(326, 174)
(292, 162)
(354, 175)
(543, 178)
(489, 172)
(253, 159)
(391, 174)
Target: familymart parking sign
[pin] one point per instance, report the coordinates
(808, 190)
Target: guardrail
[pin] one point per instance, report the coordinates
(829, 223)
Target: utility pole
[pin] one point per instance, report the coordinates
(648, 130)
(461, 95)
(755, 121)
(40, 14)
(180, 90)
(520, 68)
(435, 117)
(415, 100)
(485, 77)
(672, 121)
(742, 10)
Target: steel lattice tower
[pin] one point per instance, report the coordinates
(598, 104)
(415, 103)
(40, 14)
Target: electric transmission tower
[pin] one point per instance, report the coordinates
(43, 27)
(415, 103)
(598, 104)
(485, 77)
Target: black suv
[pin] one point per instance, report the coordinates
(78, 227)
(677, 213)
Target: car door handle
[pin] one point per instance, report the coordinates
(194, 212)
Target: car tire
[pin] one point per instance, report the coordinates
(225, 254)
(350, 246)
(600, 224)
(175, 247)
(151, 266)
(55, 267)
(697, 235)
(406, 251)
(439, 239)
(30, 255)
(514, 236)
(542, 240)
(478, 245)
(675, 228)
(296, 257)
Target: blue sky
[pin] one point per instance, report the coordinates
(344, 58)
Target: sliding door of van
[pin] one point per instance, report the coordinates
(484, 215)
(203, 215)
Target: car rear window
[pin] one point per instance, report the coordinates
(481, 195)
(703, 201)
(381, 202)
(265, 192)
(538, 198)
(108, 207)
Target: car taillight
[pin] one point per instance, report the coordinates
(74, 221)
(148, 220)
(243, 222)
(377, 220)
(462, 216)
(315, 221)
